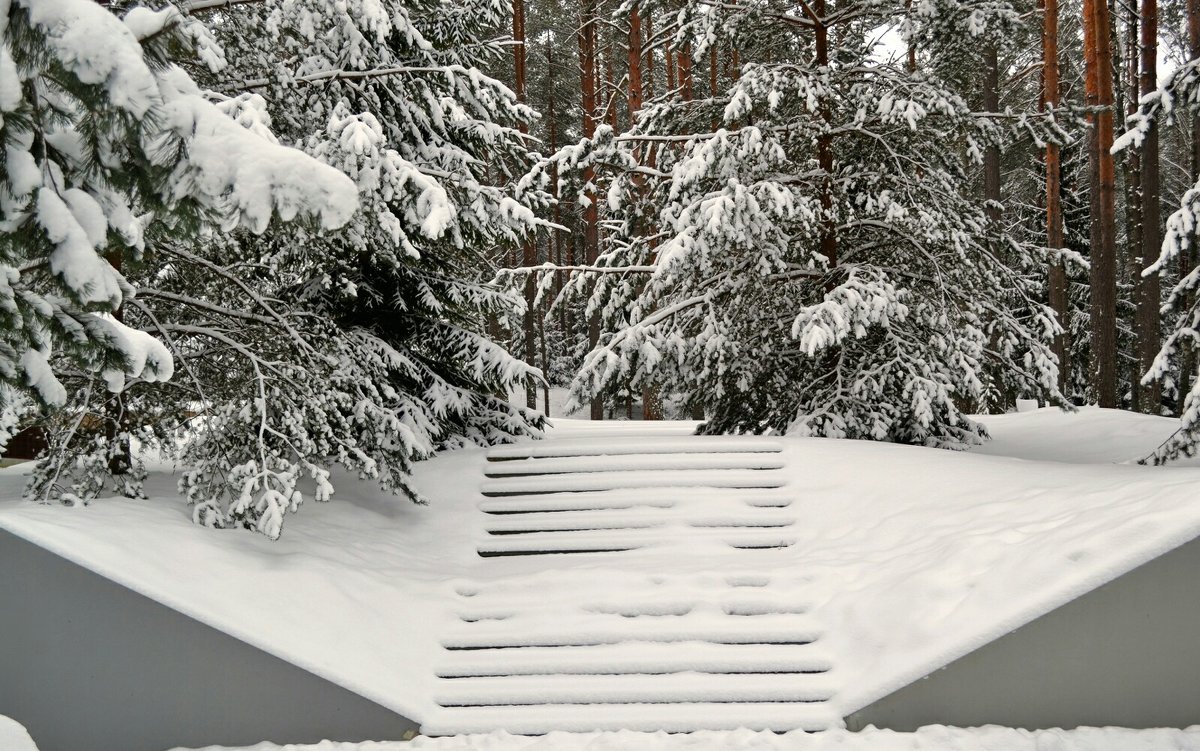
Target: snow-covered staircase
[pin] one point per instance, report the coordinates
(716, 642)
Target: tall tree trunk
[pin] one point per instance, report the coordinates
(1133, 184)
(610, 86)
(648, 62)
(634, 99)
(1099, 85)
(651, 402)
(1054, 218)
(564, 312)
(1147, 328)
(529, 246)
(828, 239)
(669, 55)
(911, 63)
(684, 57)
(991, 154)
(712, 82)
(591, 215)
(1189, 257)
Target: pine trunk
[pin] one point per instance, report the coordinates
(649, 59)
(1054, 218)
(635, 64)
(713, 62)
(1188, 258)
(991, 154)
(912, 46)
(828, 240)
(591, 215)
(1133, 179)
(685, 72)
(1147, 321)
(1102, 173)
(529, 246)
(610, 86)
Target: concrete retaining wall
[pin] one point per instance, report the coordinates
(89, 665)
(1126, 654)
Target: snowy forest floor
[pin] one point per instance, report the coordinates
(902, 558)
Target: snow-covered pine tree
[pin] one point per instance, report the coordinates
(364, 348)
(1177, 100)
(815, 263)
(108, 145)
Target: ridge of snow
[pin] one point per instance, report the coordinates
(929, 738)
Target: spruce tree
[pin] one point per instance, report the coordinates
(815, 264)
(109, 146)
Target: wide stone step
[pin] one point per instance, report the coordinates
(588, 630)
(637, 446)
(630, 462)
(672, 688)
(533, 542)
(671, 718)
(637, 658)
(573, 483)
(627, 498)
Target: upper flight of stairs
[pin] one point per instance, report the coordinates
(719, 641)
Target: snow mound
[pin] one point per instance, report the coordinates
(930, 738)
(14, 736)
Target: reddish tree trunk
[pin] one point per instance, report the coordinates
(669, 55)
(1099, 86)
(1054, 219)
(649, 59)
(610, 86)
(1146, 318)
(635, 64)
(685, 72)
(591, 216)
(529, 246)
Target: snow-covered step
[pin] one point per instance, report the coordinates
(635, 518)
(708, 478)
(717, 647)
(672, 688)
(534, 542)
(638, 658)
(672, 718)
(628, 498)
(637, 600)
(585, 631)
(641, 445)
(628, 462)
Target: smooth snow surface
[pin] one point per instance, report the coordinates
(14, 737)
(857, 567)
(931, 738)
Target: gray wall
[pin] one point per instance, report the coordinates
(89, 665)
(1126, 654)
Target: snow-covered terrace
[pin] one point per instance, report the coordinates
(861, 566)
